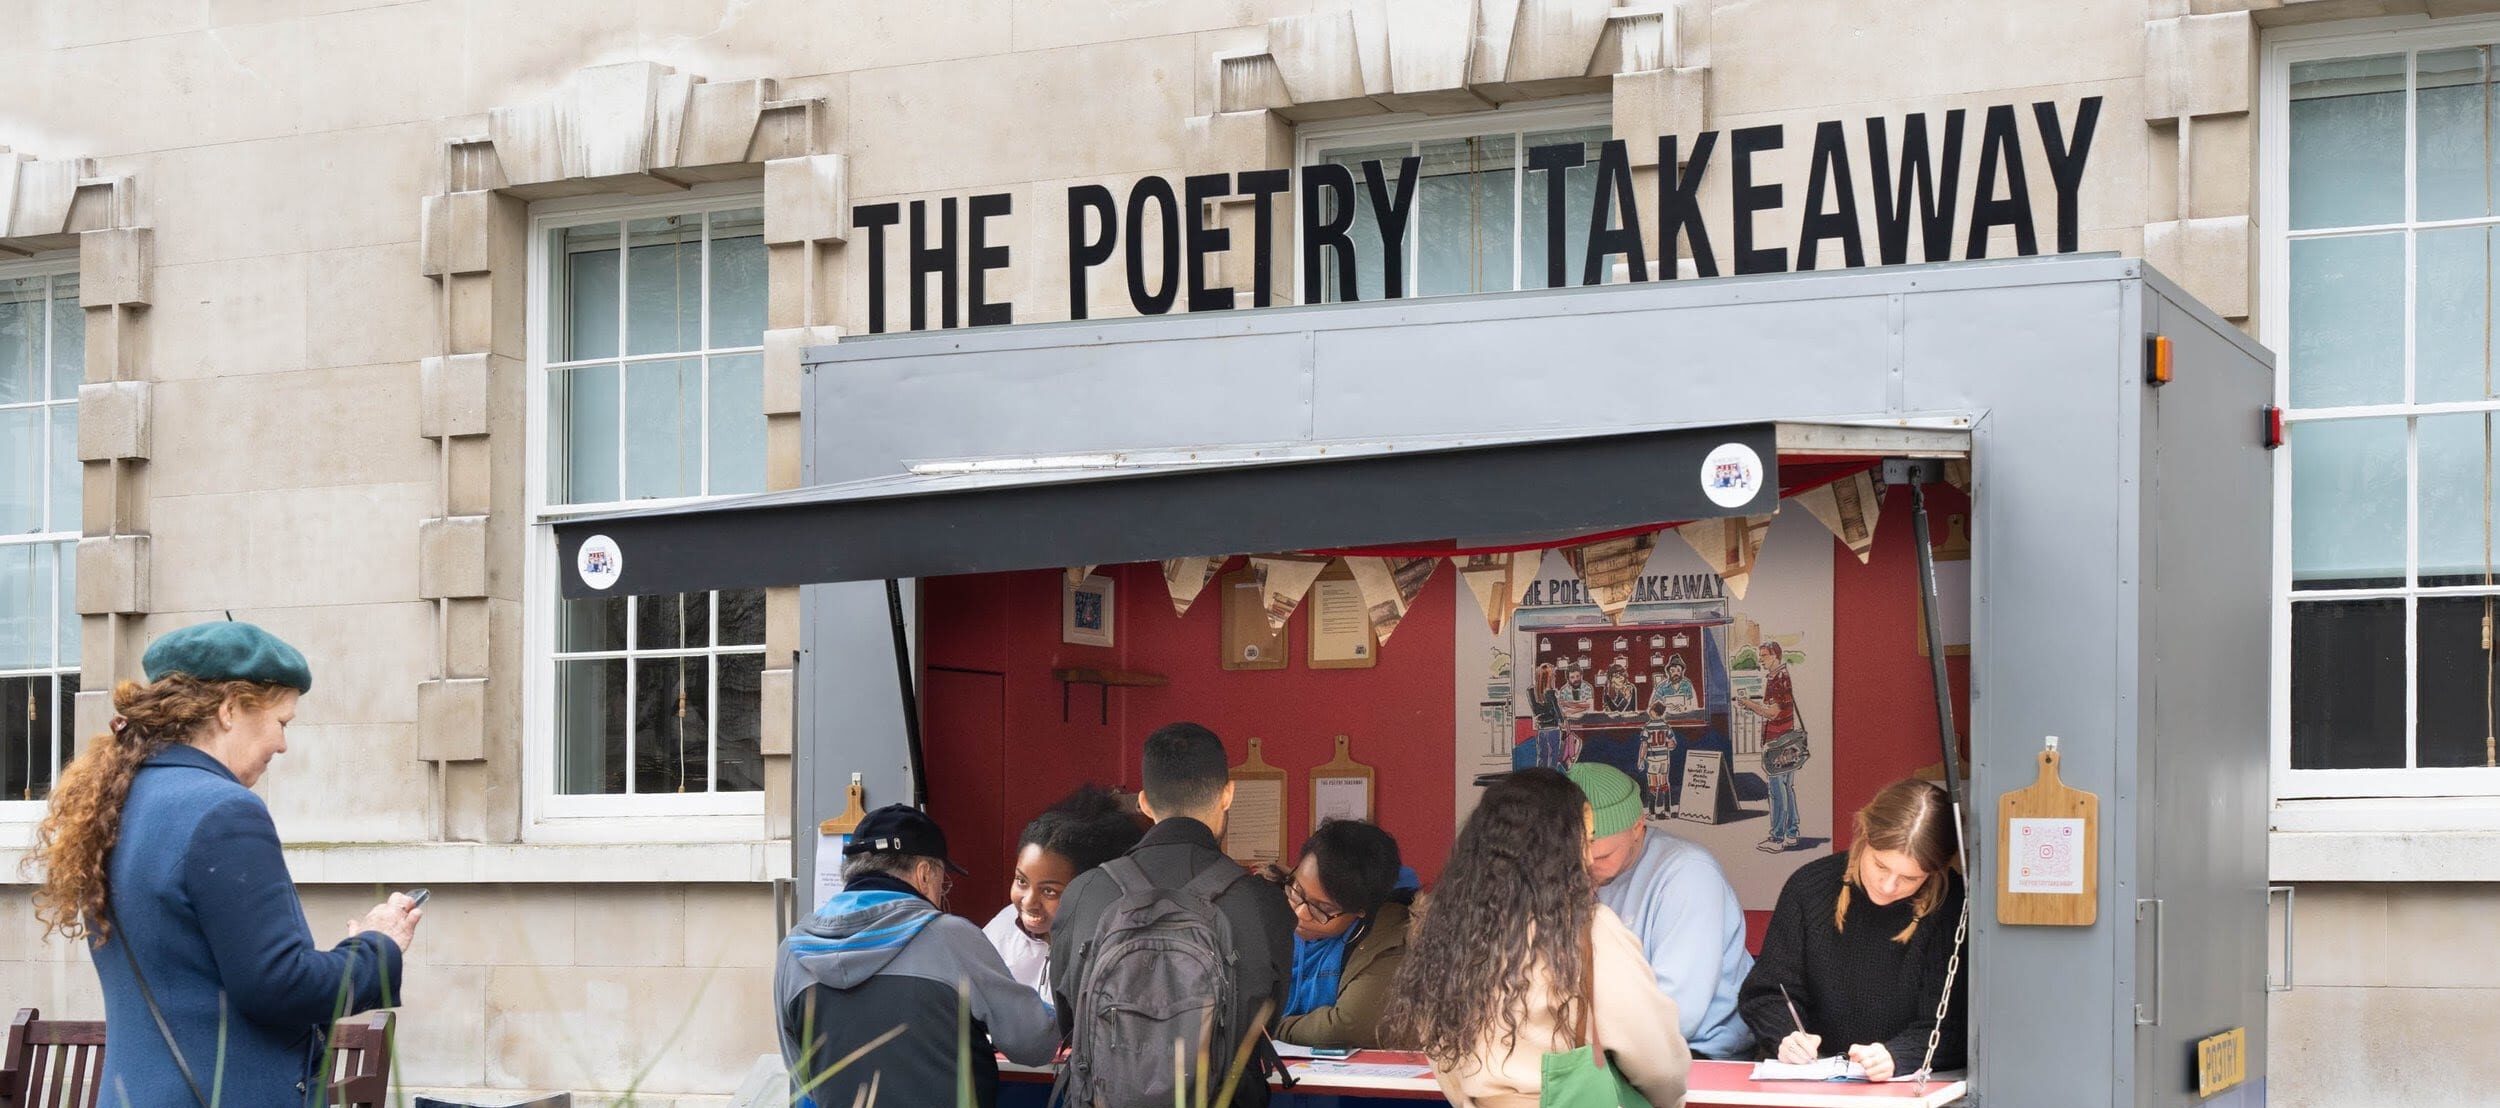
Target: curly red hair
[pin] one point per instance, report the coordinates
(77, 834)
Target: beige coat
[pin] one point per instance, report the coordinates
(1635, 1023)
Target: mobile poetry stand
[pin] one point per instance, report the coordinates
(2048, 870)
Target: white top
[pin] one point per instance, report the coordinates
(1028, 958)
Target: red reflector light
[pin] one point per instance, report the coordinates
(2274, 426)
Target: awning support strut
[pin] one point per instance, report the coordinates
(911, 698)
(1917, 473)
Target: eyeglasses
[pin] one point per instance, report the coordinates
(1323, 912)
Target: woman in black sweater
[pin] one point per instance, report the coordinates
(1860, 941)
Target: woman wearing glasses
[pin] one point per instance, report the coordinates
(1350, 899)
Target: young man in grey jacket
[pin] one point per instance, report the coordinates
(879, 966)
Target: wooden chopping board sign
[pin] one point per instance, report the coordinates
(2049, 852)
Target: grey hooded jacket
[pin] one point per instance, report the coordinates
(874, 959)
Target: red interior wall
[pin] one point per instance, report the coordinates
(1398, 714)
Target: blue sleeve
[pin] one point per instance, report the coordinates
(238, 885)
(1685, 938)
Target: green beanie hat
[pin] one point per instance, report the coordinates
(227, 651)
(1613, 797)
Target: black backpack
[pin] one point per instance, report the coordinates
(1157, 971)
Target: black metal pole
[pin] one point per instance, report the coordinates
(1935, 644)
(911, 698)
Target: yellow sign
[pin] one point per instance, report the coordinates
(2221, 1061)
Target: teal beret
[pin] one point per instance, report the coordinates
(227, 651)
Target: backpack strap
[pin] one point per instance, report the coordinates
(1128, 875)
(1213, 881)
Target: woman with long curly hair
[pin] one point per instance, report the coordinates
(156, 851)
(1860, 941)
(1516, 959)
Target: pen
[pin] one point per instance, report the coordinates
(1793, 1017)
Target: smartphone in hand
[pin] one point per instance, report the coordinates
(419, 896)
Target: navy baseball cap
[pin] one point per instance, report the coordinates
(901, 829)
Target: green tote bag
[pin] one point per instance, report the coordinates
(1582, 1077)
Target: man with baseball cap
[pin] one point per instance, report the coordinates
(1673, 895)
(877, 970)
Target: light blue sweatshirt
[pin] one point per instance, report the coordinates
(1678, 901)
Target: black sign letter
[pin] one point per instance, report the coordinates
(2066, 162)
(2000, 139)
(876, 218)
(1750, 198)
(1614, 190)
(1082, 254)
(1262, 185)
(1936, 185)
(986, 257)
(1327, 235)
(1679, 205)
(1831, 168)
(1554, 162)
(1393, 215)
(1158, 191)
(932, 261)
(1205, 240)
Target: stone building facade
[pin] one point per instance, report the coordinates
(319, 310)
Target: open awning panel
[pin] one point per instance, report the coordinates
(979, 517)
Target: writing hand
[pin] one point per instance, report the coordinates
(1800, 1048)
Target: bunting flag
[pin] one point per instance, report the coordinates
(1729, 545)
(1389, 586)
(1283, 581)
(1848, 507)
(1611, 568)
(1957, 474)
(1185, 578)
(1078, 574)
(1500, 582)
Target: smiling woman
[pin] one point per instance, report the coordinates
(1079, 833)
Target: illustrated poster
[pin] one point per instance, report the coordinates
(1685, 668)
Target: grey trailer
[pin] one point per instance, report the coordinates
(2119, 548)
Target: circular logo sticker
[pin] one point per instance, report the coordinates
(600, 563)
(1731, 475)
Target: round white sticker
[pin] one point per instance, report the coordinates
(1731, 475)
(600, 563)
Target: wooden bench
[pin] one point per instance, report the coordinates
(59, 1063)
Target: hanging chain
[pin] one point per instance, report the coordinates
(1944, 1003)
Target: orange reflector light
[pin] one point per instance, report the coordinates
(2157, 360)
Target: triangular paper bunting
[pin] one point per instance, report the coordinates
(1499, 581)
(1389, 587)
(1957, 474)
(1611, 568)
(1283, 580)
(1848, 507)
(1729, 544)
(1185, 578)
(1078, 574)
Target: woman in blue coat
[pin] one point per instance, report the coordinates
(158, 853)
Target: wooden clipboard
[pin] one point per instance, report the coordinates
(1254, 831)
(1341, 773)
(1365, 653)
(2048, 799)
(856, 811)
(1249, 640)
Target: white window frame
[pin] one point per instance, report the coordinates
(44, 265)
(2339, 796)
(1416, 127)
(550, 815)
